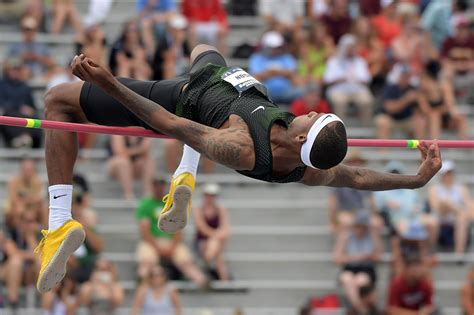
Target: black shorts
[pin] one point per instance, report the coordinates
(101, 108)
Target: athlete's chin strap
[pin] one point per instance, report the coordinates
(318, 125)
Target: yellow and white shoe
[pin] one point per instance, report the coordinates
(174, 216)
(56, 247)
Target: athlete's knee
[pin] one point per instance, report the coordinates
(199, 49)
(62, 100)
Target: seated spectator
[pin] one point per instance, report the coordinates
(16, 99)
(347, 76)
(174, 151)
(171, 56)
(131, 157)
(436, 20)
(438, 99)
(387, 23)
(156, 295)
(467, 293)
(93, 44)
(317, 8)
(312, 101)
(276, 68)
(11, 266)
(400, 106)
(404, 207)
(357, 251)
(155, 15)
(64, 10)
(282, 16)
(22, 261)
(26, 194)
(102, 294)
(412, 292)
(452, 203)
(12, 11)
(82, 262)
(369, 301)
(369, 8)
(97, 12)
(369, 47)
(212, 231)
(128, 57)
(35, 55)
(345, 203)
(458, 59)
(62, 300)
(157, 246)
(81, 187)
(208, 22)
(337, 19)
(314, 53)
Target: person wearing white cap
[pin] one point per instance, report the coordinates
(276, 69)
(219, 111)
(452, 203)
(212, 230)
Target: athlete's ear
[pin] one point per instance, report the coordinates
(301, 138)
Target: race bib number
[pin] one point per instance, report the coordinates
(242, 81)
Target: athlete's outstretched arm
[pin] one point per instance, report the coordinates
(227, 147)
(366, 179)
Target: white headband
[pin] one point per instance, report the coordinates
(318, 125)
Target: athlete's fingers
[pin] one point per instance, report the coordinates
(423, 148)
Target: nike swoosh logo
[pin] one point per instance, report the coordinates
(260, 107)
(56, 197)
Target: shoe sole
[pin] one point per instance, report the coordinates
(176, 218)
(56, 269)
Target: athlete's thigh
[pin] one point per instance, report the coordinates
(103, 109)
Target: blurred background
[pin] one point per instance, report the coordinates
(391, 69)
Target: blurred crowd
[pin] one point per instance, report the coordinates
(403, 67)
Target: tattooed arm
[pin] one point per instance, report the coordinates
(229, 147)
(366, 179)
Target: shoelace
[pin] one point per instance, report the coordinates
(43, 240)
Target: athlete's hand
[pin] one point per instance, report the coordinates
(430, 162)
(87, 70)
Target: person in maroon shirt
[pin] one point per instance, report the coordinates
(411, 293)
(311, 101)
(337, 20)
(369, 7)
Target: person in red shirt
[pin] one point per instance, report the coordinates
(337, 20)
(387, 23)
(310, 102)
(208, 22)
(411, 293)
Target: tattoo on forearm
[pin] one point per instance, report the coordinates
(227, 153)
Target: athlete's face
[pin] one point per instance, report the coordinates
(302, 124)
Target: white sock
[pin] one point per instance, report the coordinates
(189, 162)
(60, 203)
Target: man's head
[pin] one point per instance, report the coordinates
(346, 48)
(159, 188)
(273, 43)
(211, 191)
(29, 27)
(323, 139)
(13, 69)
(414, 270)
(27, 168)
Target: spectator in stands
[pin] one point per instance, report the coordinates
(64, 10)
(83, 261)
(173, 152)
(12, 11)
(345, 203)
(411, 292)
(11, 266)
(370, 8)
(284, 16)
(276, 69)
(451, 201)
(404, 206)
(438, 98)
(208, 22)
(317, 8)
(103, 293)
(369, 301)
(16, 99)
(369, 47)
(97, 12)
(171, 56)
(131, 157)
(128, 56)
(35, 55)
(62, 300)
(400, 106)
(312, 101)
(314, 53)
(23, 263)
(26, 194)
(347, 76)
(81, 188)
(93, 44)
(212, 230)
(467, 293)
(357, 251)
(387, 23)
(157, 246)
(436, 20)
(156, 295)
(458, 59)
(337, 19)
